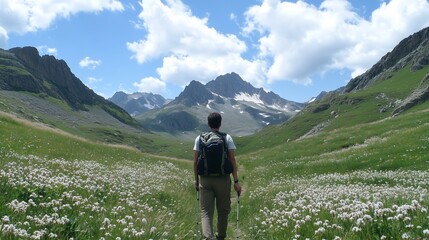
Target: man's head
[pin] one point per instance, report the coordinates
(214, 120)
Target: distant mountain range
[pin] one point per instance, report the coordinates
(138, 103)
(246, 109)
(43, 89)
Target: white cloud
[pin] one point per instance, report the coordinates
(87, 62)
(45, 50)
(172, 30)
(23, 16)
(389, 24)
(190, 49)
(299, 40)
(151, 85)
(295, 40)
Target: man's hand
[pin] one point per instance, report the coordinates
(197, 186)
(237, 188)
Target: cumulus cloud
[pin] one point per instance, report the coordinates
(151, 85)
(189, 48)
(299, 40)
(294, 41)
(87, 62)
(23, 16)
(45, 50)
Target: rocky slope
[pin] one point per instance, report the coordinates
(23, 69)
(413, 51)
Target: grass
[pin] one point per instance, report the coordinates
(299, 189)
(350, 109)
(64, 187)
(61, 116)
(315, 176)
(364, 176)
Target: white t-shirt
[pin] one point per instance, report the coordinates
(229, 143)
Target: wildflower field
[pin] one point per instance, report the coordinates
(375, 189)
(56, 186)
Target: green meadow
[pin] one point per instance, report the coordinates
(365, 175)
(56, 186)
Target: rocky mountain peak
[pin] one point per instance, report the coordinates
(412, 50)
(229, 85)
(53, 77)
(28, 55)
(193, 94)
(23, 69)
(119, 98)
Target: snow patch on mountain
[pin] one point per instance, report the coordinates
(254, 98)
(264, 115)
(208, 104)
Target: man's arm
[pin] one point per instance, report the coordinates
(195, 171)
(237, 186)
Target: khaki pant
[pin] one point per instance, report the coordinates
(215, 190)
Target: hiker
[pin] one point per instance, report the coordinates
(212, 176)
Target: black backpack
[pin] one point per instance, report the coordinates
(213, 159)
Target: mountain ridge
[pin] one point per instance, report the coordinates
(43, 89)
(23, 69)
(138, 102)
(397, 83)
(245, 106)
(53, 77)
(247, 109)
(400, 56)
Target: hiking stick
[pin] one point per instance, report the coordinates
(198, 207)
(238, 209)
(196, 215)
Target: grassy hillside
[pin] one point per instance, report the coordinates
(358, 182)
(93, 123)
(338, 111)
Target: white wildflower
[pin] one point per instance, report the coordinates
(5, 219)
(405, 236)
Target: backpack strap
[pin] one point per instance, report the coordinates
(225, 151)
(225, 143)
(203, 155)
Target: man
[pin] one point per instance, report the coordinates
(215, 188)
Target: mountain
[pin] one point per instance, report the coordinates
(397, 84)
(412, 51)
(23, 69)
(138, 103)
(246, 109)
(43, 89)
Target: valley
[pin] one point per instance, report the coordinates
(353, 164)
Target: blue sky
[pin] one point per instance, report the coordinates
(294, 48)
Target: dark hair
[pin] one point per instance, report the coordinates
(214, 120)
